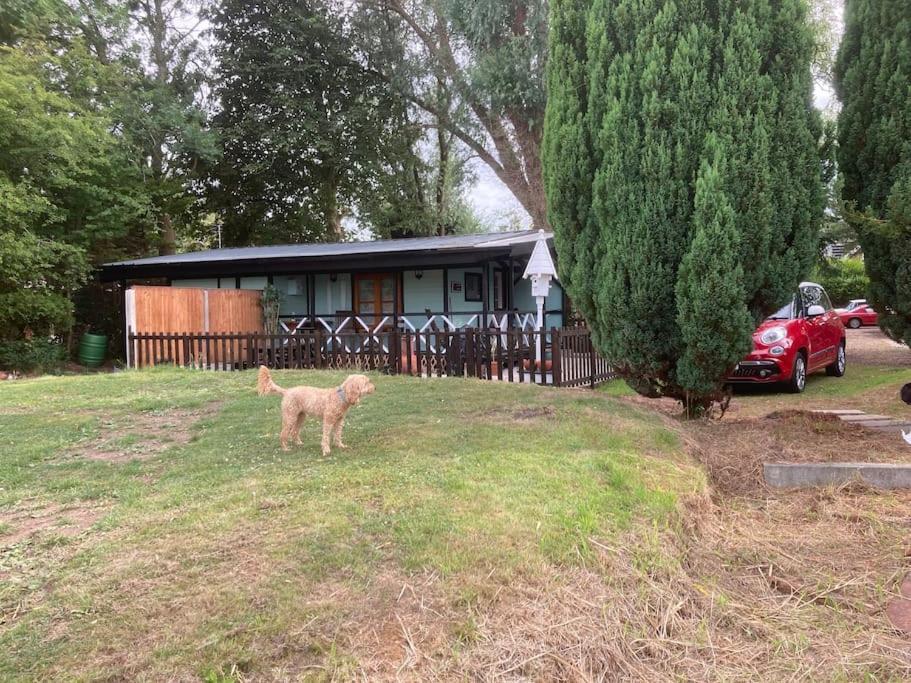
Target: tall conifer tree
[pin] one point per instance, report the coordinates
(873, 81)
(681, 133)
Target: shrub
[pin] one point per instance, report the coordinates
(271, 303)
(31, 355)
(843, 279)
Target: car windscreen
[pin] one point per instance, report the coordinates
(786, 312)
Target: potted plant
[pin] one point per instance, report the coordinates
(271, 303)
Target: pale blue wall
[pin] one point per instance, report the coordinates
(417, 294)
(201, 283)
(257, 282)
(424, 293)
(293, 290)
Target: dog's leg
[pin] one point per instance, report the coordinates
(337, 433)
(298, 423)
(327, 432)
(287, 433)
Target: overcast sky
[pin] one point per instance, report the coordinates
(499, 209)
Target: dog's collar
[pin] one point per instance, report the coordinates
(341, 395)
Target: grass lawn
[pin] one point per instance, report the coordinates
(152, 527)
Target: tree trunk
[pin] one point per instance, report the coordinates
(331, 213)
(168, 244)
(158, 27)
(516, 155)
(442, 177)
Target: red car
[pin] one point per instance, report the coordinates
(804, 336)
(857, 313)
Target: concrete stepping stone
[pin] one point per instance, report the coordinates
(880, 475)
(878, 422)
(885, 424)
(805, 474)
(865, 417)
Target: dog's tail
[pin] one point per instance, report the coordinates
(264, 383)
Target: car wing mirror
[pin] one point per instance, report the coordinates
(815, 311)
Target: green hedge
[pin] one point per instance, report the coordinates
(31, 355)
(843, 279)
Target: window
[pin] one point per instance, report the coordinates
(473, 287)
(374, 296)
(786, 312)
(813, 296)
(499, 289)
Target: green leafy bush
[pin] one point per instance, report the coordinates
(31, 355)
(843, 279)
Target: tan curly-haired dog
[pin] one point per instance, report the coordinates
(331, 404)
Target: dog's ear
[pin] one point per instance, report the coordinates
(352, 388)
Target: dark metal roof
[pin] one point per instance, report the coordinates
(401, 252)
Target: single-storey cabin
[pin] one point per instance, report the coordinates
(451, 283)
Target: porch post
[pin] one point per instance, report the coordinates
(510, 283)
(395, 298)
(311, 298)
(446, 291)
(485, 285)
(510, 291)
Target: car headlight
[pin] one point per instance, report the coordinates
(773, 334)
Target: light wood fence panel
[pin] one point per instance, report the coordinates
(196, 312)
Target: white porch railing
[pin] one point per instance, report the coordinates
(335, 325)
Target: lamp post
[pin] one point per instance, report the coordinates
(541, 271)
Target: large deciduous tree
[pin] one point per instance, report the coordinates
(306, 126)
(476, 68)
(65, 188)
(162, 110)
(873, 82)
(683, 177)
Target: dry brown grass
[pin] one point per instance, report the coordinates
(734, 449)
(755, 594)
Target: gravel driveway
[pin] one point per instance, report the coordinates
(869, 346)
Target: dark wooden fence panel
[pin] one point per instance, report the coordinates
(562, 357)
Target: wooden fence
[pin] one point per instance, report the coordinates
(559, 357)
(190, 311)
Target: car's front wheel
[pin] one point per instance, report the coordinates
(837, 369)
(798, 381)
(855, 323)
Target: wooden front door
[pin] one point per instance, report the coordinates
(374, 297)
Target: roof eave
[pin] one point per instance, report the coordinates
(436, 258)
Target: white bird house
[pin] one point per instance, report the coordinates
(540, 268)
